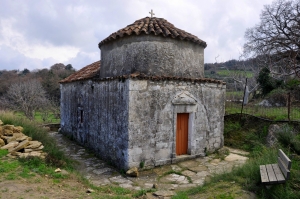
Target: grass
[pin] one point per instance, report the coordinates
(273, 113)
(229, 73)
(38, 117)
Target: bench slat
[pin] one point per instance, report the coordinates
(285, 160)
(271, 174)
(279, 176)
(283, 169)
(263, 174)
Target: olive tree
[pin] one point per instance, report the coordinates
(27, 97)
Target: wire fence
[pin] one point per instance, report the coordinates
(285, 109)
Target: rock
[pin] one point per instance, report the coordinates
(155, 186)
(38, 149)
(34, 145)
(265, 103)
(133, 172)
(22, 138)
(10, 145)
(8, 132)
(35, 154)
(20, 146)
(2, 143)
(271, 137)
(28, 150)
(16, 153)
(64, 172)
(18, 129)
(90, 191)
(1, 130)
(9, 139)
(8, 127)
(235, 157)
(23, 155)
(57, 170)
(1, 122)
(164, 193)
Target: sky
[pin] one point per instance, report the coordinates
(36, 34)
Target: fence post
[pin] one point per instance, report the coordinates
(289, 106)
(244, 98)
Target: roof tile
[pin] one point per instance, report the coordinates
(88, 72)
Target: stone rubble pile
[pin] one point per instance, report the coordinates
(18, 144)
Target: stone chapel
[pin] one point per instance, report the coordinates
(147, 101)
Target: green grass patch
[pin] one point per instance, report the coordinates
(41, 117)
(272, 113)
(230, 73)
(3, 152)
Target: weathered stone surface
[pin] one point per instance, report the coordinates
(27, 150)
(175, 178)
(198, 168)
(8, 132)
(234, 157)
(188, 173)
(10, 145)
(57, 170)
(133, 172)
(22, 138)
(164, 193)
(8, 139)
(2, 143)
(39, 148)
(18, 129)
(271, 137)
(20, 146)
(34, 145)
(8, 127)
(35, 154)
(1, 123)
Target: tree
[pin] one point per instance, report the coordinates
(275, 41)
(267, 83)
(27, 96)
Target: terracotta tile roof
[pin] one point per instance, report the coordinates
(161, 78)
(88, 72)
(91, 72)
(155, 26)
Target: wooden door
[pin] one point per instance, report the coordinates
(182, 133)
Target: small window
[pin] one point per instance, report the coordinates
(81, 116)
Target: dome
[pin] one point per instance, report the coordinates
(154, 26)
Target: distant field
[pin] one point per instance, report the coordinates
(226, 73)
(273, 113)
(234, 95)
(39, 117)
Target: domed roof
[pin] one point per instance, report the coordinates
(154, 26)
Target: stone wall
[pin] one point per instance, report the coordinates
(132, 121)
(153, 108)
(152, 55)
(95, 114)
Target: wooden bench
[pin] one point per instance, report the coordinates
(276, 173)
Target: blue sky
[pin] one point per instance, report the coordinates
(36, 34)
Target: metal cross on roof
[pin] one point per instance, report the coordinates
(152, 13)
